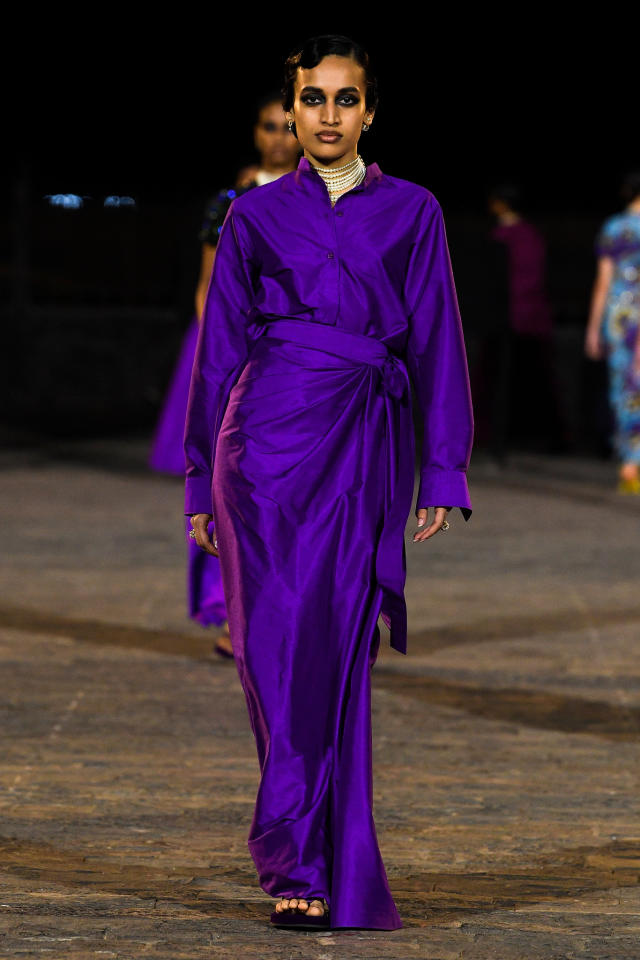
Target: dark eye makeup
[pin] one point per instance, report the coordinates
(308, 97)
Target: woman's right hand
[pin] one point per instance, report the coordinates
(593, 344)
(200, 523)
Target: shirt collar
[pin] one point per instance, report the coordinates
(306, 174)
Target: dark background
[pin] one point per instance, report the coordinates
(95, 300)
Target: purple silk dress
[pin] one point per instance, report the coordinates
(299, 440)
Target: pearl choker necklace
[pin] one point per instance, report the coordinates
(339, 179)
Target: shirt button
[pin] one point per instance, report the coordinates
(330, 255)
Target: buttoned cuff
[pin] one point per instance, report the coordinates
(197, 498)
(444, 488)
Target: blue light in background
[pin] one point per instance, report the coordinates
(69, 201)
(114, 201)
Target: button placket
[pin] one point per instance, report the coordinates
(333, 255)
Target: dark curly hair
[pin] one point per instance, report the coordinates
(311, 52)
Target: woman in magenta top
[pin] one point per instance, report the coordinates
(526, 399)
(328, 299)
(529, 308)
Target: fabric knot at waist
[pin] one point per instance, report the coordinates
(345, 343)
(394, 378)
(399, 455)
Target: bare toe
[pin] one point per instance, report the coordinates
(298, 903)
(316, 908)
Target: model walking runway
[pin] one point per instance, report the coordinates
(324, 305)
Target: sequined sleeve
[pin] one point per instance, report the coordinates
(215, 212)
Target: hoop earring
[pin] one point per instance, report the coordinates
(290, 126)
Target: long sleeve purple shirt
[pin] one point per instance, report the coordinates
(376, 263)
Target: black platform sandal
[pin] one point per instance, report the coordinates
(292, 917)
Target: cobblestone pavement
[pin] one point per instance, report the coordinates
(506, 743)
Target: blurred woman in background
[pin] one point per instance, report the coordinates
(525, 402)
(278, 150)
(612, 329)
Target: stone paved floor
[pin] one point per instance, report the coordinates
(506, 743)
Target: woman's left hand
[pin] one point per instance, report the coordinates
(200, 523)
(428, 529)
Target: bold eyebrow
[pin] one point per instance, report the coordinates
(320, 90)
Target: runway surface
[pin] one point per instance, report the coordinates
(506, 744)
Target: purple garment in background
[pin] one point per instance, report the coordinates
(529, 308)
(167, 447)
(299, 441)
(205, 595)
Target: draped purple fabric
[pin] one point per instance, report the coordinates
(299, 441)
(205, 595)
(167, 447)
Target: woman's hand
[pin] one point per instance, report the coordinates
(592, 343)
(200, 523)
(428, 529)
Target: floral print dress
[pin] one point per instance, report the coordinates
(619, 238)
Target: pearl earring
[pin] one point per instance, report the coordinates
(290, 126)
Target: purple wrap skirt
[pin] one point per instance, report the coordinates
(312, 486)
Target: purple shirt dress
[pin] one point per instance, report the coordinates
(299, 440)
